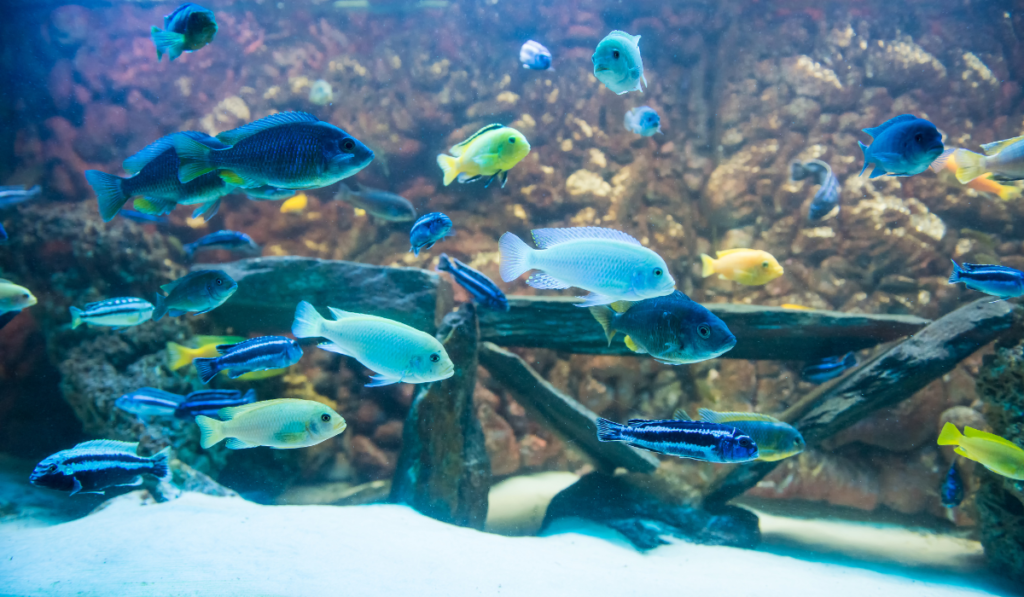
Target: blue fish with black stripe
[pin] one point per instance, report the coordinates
(827, 197)
(209, 402)
(484, 292)
(699, 440)
(996, 280)
(256, 354)
(94, 466)
(828, 368)
(149, 402)
(116, 312)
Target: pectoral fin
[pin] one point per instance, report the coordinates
(383, 380)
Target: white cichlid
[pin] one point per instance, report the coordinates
(397, 352)
(283, 423)
(611, 264)
(14, 297)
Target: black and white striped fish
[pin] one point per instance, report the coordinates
(115, 312)
(209, 402)
(698, 440)
(479, 286)
(255, 354)
(94, 466)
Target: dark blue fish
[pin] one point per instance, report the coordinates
(149, 402)
(952, 492)
(479, 286)
(10, 196)
(996, 280)
(534, 56)
(428, 230)
(94, 466)
(903, 146)
(827, 197)
(223, 239)
(138, 216)
(189, 28)
(698, 440)
(828, 368)
(257, 354)
(200, 291)
(208, 402)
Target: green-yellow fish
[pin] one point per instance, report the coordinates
(283, 423)
(997, 454)
(14, 297)
(775, 440)
(490, 152)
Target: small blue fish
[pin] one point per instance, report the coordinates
(479, 286)
(904, 146)
(115, 312)
(827, 197)
(149, 402)
(138, 216)
(643, 121)
(534, 56)
(10, 196)
(698, 440)
(828, 368)
(228, 240)
(952, 491)
(94, 466)
(209, 402)
(257, 354)
(189, 28)
(996, 280)
(428, 230)
(201, 292)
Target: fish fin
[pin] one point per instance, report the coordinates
(178, 356)
(970, 165)
(545, 282)
(940, 162)
(707, 265)
(979, 434)
(161, 464)
(457, 149)
(290, 438)
(137, 162)
(997, 146)
(382, 380)
(711, 416)
(449, 167)
(109, 446)
(211, 431)
(464, 178)
(159, 307)
(76, 317)
(249, 396)
(962, 452)
(950, 435)
(608, 431)
(957, 272)
(632, 345)
(340, 314)
(207, 210)
(333, 347)
(193, 158)
(515, 257)
(207, 369)
(503, 176)
(604, 315)
(308, 322)
(226, 348)
(236, 444)
(203, 340)
(878, 171)
(167, 42)
(552, 237)
(274, 120)
(154, 207)
(1008, 193)
(77, 487)
(593, 299)
(797, 172)
(643, 79)
(632, 422)
(874, 132)
(621, 306)
(867, 160)
(680, 415)
(233, 178)
(725, 252)
(110, 195)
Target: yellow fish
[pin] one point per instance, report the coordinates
(492, 151)
(14, 297)
(997, 454)
(795, 307)
(283, 423)
(296, 203)
(947, 161)
(179, 356)
(749, 267)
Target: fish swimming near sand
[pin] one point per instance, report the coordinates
(643, 121)
(379, 204)
(775, 440)
(951, 494)
(997, 454)
(828, 368)
(996, 280)
(1003, 161)
(116, 313)
(283, 423)
(673, 329)
(209, 402)
(256, 354)
(484, 292)
(617, 63)
(947, 162)
(228, 240)
(534, 56)
(903, 146)
(97, 465)
(611, 264)
(698, 440)
(13, 195)
(150, 402)
(14, 298)
(427, 231)
(198, 292)
(488, 153)
(188, 28)
(749, 267)
(826, 198)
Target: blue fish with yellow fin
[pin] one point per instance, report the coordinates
(775, 440)
(698, 440)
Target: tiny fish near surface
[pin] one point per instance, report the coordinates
(617, 63)
(827, 197)
(115, 312)
(188, 28)
(479, 286)
(200, 292)
(149, 402)
(94, 466)
(997, 454)
(828, 368)
(427, 231)
(283, 423)
(256, 354)
(698, 440)
(534, 56)
(379, 204)
(775, 440)
(209, 402)
(223, 239)
(903, 146)
(952, 491)
(996, 280)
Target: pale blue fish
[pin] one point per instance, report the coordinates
(643, 121)
(115, 312)
(827, 197)
(150, 402)
(13, 195)
(617, 63)
(534, 56)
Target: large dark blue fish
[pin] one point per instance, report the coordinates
(10, 196)
(828, 368)
(904, 146)
(673, 329)
(256, 354)
(827, 197)
(952, 491)
(223, 239)
(94, 466)
(188, 28)
(996, 280)
(428, 230)
(479, 286)
(199, 292)
(149, 402)
(698, 440)
(208, 402)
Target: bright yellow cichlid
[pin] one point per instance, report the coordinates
(283, 423)
(997, 454)
(490, 152)
(179, 356)
(295, 204)
(749, 267)
(14, 297)
(775, 440)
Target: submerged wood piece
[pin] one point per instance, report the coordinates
(885, 380)
(270, 287)
(443, 470)
(570, 419)
(762, 332)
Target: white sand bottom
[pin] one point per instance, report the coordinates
(208, 546)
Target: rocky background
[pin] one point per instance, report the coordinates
(743, 89)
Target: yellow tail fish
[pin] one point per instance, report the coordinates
(984, 183)
(749, 267)
(492, 151)
(997, 454)
(179, 356)
(296, 203)
(283, 423)
(1004, 160)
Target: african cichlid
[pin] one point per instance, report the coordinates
(188, 28)
(200, 292)
(826, 198)
(209, 402)
(155, 181)
(951, 494)
(534, 56)
(1003, 160)
(775, 440)
(256, 354)
(427, 231)
(14, 297)
(996, 280)
(673, 329)
(115, 312)
(611, 264)
(903, 146)
(617, 63)
(379, 204)
(94, 466)
(749, 267)
(179, 356)
(997, 454)
(479, 286)
(291, 150)
(282, 423)
(828, 368)
(149, 402)
(948, 162)
(228, 240)
(643, 121)
(698, 440)
(490, 152)
(13, 195)
(397, 352)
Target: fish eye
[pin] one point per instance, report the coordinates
(919, 137)
(511, 139)
(657, 271)
(615, 54)
(325, 417)
(434, 357)
(220, 282)
(745, 442)
(704, 330)
(348, 144)
(24, 296)
(764, 264)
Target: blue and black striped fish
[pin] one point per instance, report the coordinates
(828, 368)
(698, 440)
(94, 466)
(479, 286)
(996, 280)
(208, 402)
(827, 197)
(150, 402)
(115, 312)
(428, 230)
(257, 354)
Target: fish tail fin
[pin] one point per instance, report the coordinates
(608, 431)
(864, 149)
(950, 435)
(957, 270)
(211, 431)
(515, 256)
(110, 195)
(206, 368)
(604, 316)
(162, 464)
(797, 172)
(178, 356)
(970, 165)
(76, 317)
(159, 307)
(940, 162)
(707, 265)
(167, 42)
(193, 156)
(444, 264)
(449, 166)
(1008, 193)
(308, 322)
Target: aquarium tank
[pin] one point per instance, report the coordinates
(493, 297)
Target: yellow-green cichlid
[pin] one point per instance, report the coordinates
(775, 440)
(283, 423)
(490, 152)
(997, 454)
(14, 297)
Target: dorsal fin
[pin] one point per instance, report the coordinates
(340, 314)
(226, 348)
(457, 149)
(711, 416)
(152, 151)
(721, 254)
(681, 415)
(996, 147)
(226, 414)
(632, 422)
(979, 434)
(274, 120)
(108, 446)
(878, 130)
(632, 345)
(551, 237)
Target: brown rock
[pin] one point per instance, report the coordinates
(595, 395)
(371, 462)
(819, 476)
(389, 435)
(903, 427)
(500, 441)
